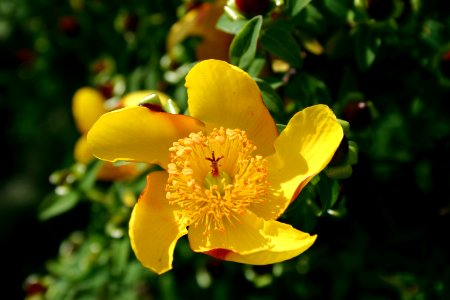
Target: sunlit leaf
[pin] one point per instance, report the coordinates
(243, 47)
(230, 26)
(257, 65)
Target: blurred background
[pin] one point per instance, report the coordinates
(382, 65)
(48, 50)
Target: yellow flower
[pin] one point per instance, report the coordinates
(88, 104)
(201, 22)
(228, 173)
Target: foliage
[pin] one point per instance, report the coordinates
(383, 67)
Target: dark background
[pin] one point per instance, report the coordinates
(393, 242)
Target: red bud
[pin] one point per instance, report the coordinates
(253, 7)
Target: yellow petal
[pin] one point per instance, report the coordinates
(251, 240)
(244, 235)
(87, 107)
(223, 95)
(287, 242)
(201, 22)
(108, 171)
(139, 134)
(303, 149)
(154, 229)
(81, 151)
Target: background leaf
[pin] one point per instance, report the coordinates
(294, 7)
(280, 42)
(243, 47)
(54, 205)
(231, 26)
(271, 99)
(366, 47)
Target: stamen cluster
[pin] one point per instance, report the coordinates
(239, 179)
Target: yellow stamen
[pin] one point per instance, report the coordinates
(208, 196)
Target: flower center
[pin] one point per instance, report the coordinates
(214, 178)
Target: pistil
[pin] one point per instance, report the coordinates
(214, 164)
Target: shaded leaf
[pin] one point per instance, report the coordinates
(328, 191)
(311, 19)
(282, 44)
(271, 98)
(338, 8)
(366, 47)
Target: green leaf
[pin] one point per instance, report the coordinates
(280, 127)
(171, 107)
(338, 8)
(167, 286)
(296, 6)
(307, 90)
(243, 46)
(257, 65)
(366, 47)
(311, 19)
(271, 99)
(135, 79)
(230, 26)
(282, 44)
(352, 156)
(328, 191)
(54, 204)
(89, 178)
(120, 252)
(339, 172)
(324, 189)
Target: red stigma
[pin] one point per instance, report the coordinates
(214, 164)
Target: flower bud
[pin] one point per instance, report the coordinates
(190, 5)
(358, 114)
(69, 26)
(106, 89)
(34, 286)
(444, 65)
(104, 65)
(253, 7)
(131, 22)
(341, 152)
(25, 56)
(110, 87)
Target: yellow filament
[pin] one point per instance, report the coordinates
(242, 179)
